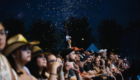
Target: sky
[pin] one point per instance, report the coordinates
(57, 11)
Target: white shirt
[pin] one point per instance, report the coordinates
(5, 73)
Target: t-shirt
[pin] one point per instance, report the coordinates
(88, 67)
(81, 70)
(5, 73)
(71, 73)
(106, 62)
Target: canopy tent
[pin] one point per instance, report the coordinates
(92, 47)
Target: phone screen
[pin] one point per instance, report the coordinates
(67, 38)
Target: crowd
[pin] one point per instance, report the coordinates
(23, 60)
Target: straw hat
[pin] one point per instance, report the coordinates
(15, 42)
(36, 50)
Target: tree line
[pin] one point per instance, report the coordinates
(109, 33)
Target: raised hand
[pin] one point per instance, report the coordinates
(56, 64)
(60, 68)
(76, 68)
(67, 67)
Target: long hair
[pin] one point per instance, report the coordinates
(12, 61)
(34, 69)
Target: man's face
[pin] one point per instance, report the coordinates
(72, 56)
(89, 59)
(93, 57)
(104, 54)
(77, 57)
(2, 37)
(99, 57)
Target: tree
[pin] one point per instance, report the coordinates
(79, 30)
(14, 26)
(45, 33)
(110, 35)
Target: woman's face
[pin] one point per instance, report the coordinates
(25, 54)
(51, 59)
(59, 60)
(97, 62)
(41, 61)
(111, 57)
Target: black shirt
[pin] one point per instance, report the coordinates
(71, 73)
(106, 62)
(88, 67)
(81, 69)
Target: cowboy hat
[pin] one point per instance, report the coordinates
(15, 42)
(36, 50)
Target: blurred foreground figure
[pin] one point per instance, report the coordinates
(5, 68)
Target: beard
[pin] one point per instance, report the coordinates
(71, 60)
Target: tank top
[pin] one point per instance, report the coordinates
(26, 69)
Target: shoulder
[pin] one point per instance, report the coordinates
(102, 60)
(2, 56)
(15, 74)
(27, 70)
(95, 68)
(33, 78)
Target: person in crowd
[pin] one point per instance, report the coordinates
(117, 61)
(6, 72)
(113, 67)
(82, 72)
(54, 69)
(66, 67)
(98, 70)
(18, 53)
(126, 63)
(38, 63)
(104, 63)
(69, 57)
(88, 62)
(92, 54)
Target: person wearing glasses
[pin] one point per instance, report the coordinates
(38, 63)
(5, 68)
(18, 53)
(69, 57)
(54, 68)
